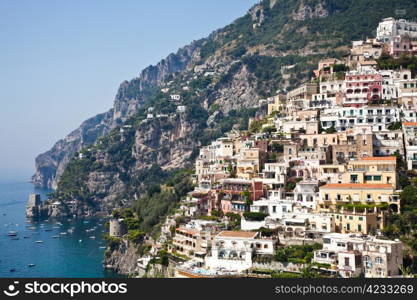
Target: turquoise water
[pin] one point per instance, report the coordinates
(71, 255)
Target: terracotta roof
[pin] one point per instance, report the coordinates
(410, 123)
(368, 62)
(238, 234)
(186, 230)
(357, 186)
(380, 158)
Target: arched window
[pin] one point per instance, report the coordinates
(233, 254)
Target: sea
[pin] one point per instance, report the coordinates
(64, 248)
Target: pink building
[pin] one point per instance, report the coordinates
(362, 88)
(231, 194)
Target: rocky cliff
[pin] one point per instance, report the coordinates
(123, 260)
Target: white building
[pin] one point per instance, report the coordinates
(274, 174)
(233, 250)
(181, 108)
(342, 118)
(410, 141)
(390, 28)
(306, 194)
(353, 255)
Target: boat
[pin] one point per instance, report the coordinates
(63, 233)
(80, 241)
(102, 247)
(55, 236)
(92, 237)
(39, 242)
(12, 233)
(31, 265)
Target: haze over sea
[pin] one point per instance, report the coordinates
(68, 255)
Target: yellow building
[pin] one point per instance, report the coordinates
(320, 140)
(358, 207)
(377, 170)
(276, 103)
(249, 163)
(356, 222)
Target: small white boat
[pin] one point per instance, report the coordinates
(102, 247)
(92, 237)
(39, 242)
(63, 233)
(80, 241)
(31, 265)
(55, 236)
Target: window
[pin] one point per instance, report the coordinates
(379, 260)
(368, 177)
(377, 178)
(367, 262)
(359, 227)
(347, 261)
(326, 196)
(348, 227)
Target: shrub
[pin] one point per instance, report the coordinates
(254, 216)
(135, 236)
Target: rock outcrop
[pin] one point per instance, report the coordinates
(306, 12)
(123, 260)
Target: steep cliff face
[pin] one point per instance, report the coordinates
(123, 259)
(131, 95)
(51, 164)
(113, 172)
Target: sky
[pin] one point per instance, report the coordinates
(61, 62)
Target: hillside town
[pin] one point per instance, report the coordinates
(318, 168)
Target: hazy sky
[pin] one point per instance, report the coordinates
(61, 62)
